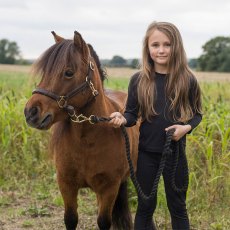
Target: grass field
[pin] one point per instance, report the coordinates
(125, 73)
(30, 199)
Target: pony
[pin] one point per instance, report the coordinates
(86, 154)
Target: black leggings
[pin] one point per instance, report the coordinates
(147, 166)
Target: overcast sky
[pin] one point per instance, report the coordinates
(113, 27)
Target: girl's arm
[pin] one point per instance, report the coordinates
(195, 102)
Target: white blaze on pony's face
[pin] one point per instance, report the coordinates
(63, 67)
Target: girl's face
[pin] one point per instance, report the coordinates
(159, 48)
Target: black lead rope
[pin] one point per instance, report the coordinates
(166, 152)
(179, 149)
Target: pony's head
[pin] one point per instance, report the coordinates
(71, 76)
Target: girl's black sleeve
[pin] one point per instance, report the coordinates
(194, 93)
(195, 121)
(132, 107)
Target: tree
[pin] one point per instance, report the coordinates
(216, 55)
(9, 52)
(135, 63)
(117, 61)
(192, 63)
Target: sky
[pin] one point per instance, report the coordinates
(112, 27)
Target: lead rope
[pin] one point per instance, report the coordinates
(180, 150)
(167, 151)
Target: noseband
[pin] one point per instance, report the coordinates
(62, 100)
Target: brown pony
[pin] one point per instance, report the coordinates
(85, 154)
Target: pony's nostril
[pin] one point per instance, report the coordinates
(31, 114)
(33, 111)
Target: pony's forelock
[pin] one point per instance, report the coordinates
(60, 56)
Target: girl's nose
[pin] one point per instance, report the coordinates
(161, 49)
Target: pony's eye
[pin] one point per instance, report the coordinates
(69, 73)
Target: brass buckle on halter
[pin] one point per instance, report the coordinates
(62, 102)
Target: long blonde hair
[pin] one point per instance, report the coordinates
(178, 80)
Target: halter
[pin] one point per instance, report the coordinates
(62, 100)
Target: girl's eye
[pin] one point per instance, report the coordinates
(69, 73)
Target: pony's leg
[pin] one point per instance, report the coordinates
(69, 194)
(106, 200)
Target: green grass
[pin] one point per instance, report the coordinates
(117, 83)
(27, 170)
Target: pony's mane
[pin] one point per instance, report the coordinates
(102, 71)
(61, 55)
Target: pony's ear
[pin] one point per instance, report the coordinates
(79, 42)
(56, 37)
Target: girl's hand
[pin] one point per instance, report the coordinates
(117, 120)
(180, 131)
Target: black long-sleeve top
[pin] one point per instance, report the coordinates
(152, 134)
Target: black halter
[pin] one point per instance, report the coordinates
(62, 100)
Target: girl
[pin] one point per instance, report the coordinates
(166, 95)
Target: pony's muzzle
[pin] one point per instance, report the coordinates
(34, 119)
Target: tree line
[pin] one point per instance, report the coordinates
(215, 56)
(10, 53)
(118, 61)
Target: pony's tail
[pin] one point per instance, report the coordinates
(121, 217)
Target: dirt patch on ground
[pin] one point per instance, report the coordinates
(52, 222)
(21, 215)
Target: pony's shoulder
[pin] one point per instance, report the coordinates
(116, 97)
(115, 93)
